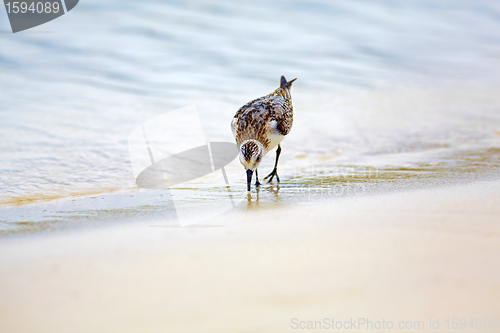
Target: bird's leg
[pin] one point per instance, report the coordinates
(257, 183)
(275, 170)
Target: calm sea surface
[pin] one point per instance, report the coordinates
(386, 91)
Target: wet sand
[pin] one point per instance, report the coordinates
(418, 255)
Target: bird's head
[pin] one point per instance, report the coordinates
(251, 154)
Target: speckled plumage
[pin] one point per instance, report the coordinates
(264, 117)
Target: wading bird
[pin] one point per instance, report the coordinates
(260, 125)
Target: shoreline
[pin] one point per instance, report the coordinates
(415, 171)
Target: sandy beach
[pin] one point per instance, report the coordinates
(410, 256)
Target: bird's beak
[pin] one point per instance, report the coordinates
(249, 179)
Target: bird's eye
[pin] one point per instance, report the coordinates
(258, 159)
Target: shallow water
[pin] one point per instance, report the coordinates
(386, 93)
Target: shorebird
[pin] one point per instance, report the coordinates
(260, 125)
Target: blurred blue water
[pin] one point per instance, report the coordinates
(71, 90)
(153, 47)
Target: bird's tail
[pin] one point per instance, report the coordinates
(286, 84)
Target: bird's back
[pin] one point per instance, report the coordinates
(265, 119)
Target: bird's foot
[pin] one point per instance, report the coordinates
(257, 183)
(271, 176)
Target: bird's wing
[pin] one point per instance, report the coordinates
(234, 125)
(283, 114)
(251, 120)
